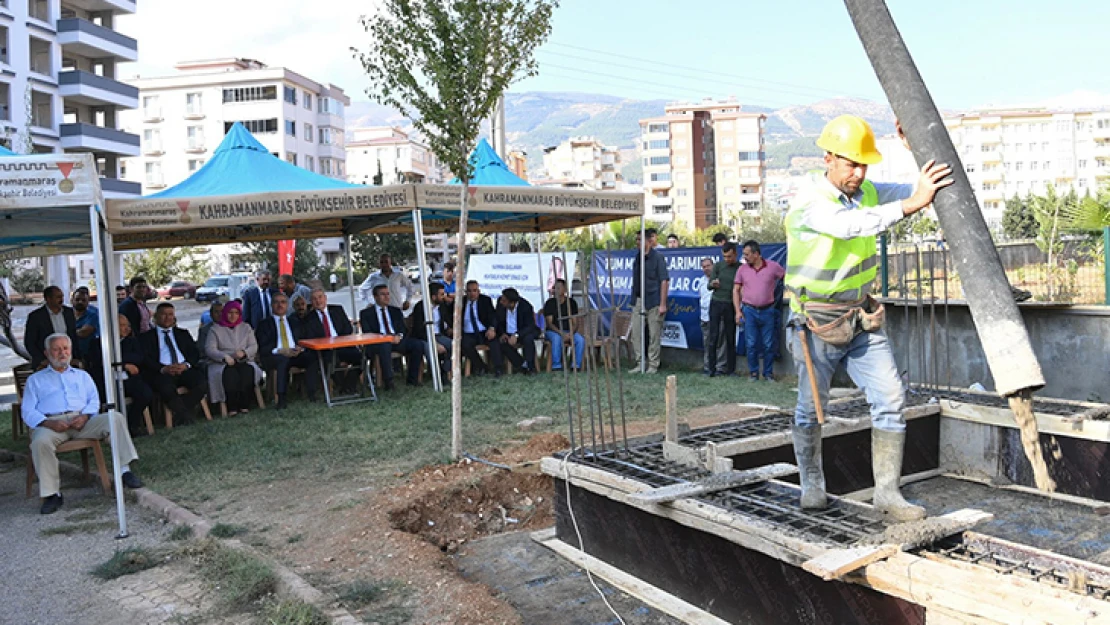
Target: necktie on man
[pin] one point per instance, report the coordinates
(474, 317)
(265, 296)
(327, 323)
(170, 346)
(385, 320)
(284, 334)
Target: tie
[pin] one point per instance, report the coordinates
(385, 320)
(327, 323)
(474, 317)
(284, 333)
(171, 347)
(265, 303)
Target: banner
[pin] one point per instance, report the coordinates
(495, 272)
(682, 326)
(287, 250)
(48, 181)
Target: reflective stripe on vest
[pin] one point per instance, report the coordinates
(823, 268)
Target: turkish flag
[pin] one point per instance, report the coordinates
(286, 251)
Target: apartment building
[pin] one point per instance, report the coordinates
(184, 116)
(703, 163)
(1017, 152)
(58, 85)
(584, 162)
(391, 150)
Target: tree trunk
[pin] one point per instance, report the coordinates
(457, 334)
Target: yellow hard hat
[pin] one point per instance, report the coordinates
(851, 137)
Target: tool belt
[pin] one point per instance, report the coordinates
(838, 324)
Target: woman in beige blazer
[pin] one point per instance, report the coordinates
(232, 351)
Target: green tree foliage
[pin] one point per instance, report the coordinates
(767, 227)
(366, 249)
(161, 266)
(27, 282)
(306, 262)
(1018, 221)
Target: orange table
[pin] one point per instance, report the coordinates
(330, 344)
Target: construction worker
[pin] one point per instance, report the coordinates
(831, 263)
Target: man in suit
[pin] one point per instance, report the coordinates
(278, 351)
(479, 327)
(330, 320)
(52, 317)
(516, 327)
(134, 307)
(440, 312)
(257, 300)
(382, 318)
(171, 360)
(294, 291)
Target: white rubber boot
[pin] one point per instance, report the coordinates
(807, 452)
(887, 449)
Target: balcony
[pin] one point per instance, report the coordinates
(195, 145)
(116, 188)
(90, 40)
(194, 111)
(1101, 149)
(152, 114)
(115, 6)
(994, 175)
(153, 148)
(1100, 133)
(662, 206)
(92, 90)
(155, 181)
(657, 184)
(991, 156)
(82, 137)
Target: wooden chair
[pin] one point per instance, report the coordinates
(622, 334)
(82, 445)
(271, 380)
(597, 341)
(21, 374)
(257, 396)
(146, 416)
(483, 351)
(547, 357)
(181, 390)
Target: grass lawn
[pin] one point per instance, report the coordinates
(405, 429)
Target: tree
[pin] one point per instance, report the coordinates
(161, 266)
(26, 282)
(768, 227)
(366, 249)
(444, 65)
(1018, 221)
(306, 262)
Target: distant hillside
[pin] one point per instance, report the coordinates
(536, 120)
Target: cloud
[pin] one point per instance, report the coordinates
(310, 38)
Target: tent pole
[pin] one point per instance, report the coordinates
(350, 274)
(643, 291)
(429, 318)
(109, 345)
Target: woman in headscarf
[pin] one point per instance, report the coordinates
(232, 351)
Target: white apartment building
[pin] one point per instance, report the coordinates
(1017, 152)
(584, 162)
(183, 117)
(703, 163)
(388, 149)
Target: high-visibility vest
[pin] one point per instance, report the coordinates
(823, 268)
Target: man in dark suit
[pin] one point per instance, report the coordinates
(278, 351)
(171, 360)
(51, 318)
(479, 327)
(257, 300)
(134, 307)
(381, 318)
(330, 320)
(516, 327)
(441, 310)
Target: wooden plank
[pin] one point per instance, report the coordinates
(714, 483)
(1046, 423)
(629, 584)
(670, 393)
(838, 562)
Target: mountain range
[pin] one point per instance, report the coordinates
(536, 120)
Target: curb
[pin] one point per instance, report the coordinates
(289, 583)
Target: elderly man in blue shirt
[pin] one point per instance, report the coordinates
(61, 403)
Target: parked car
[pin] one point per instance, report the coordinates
(178, 288)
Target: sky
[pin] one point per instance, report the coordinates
(972, 53)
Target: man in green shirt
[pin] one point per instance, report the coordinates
(722, 314)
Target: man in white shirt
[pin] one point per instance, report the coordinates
(61, 403)
(400, 287)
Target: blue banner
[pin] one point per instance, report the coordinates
(682, 326)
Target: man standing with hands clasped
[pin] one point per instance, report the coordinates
(649, 301)
(753, 295)
(831, 265)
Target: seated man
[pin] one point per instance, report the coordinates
(440, 310)
(61, 403)
(299, 316)
(516, 327)
(278, 351)
(561, 317)
(330, 320)
(479, 321)
(170, 360)
(381, 318)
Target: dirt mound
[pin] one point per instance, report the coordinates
(537, 447)
(490, 504)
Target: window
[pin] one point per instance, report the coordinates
(970, 168)
(1018, 166)
(1103, 124)
(152, 108)
(661, 177)
(291, 127)
(1063, 125)
(985, 148)
(679, 160)
(193, 104)
(195, 164)
(291, 157)
(658, 144)
(990, 186)
(730, 190)
(308, 136)
(309, 163)
(1082, 163)
(326, 135)
(195, 136)
(680, 144)
(658, 160)
(1044, 146)
(665, 127)
(326, 166)
(682, 177)
(1047, 165)
(726, 142)
(751, 156)
(154, 173)
(307, 99)
(729, 173)
(291, 95)
(256, 126)
(680, 193)
(250, 94)
(329, 106)
(727, 157)
(1033, 165)
(1082, 183)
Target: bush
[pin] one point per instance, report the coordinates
(28, 282)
